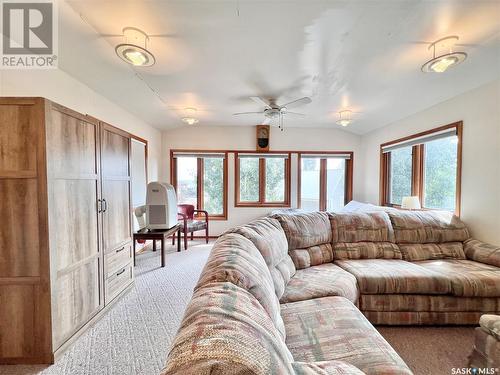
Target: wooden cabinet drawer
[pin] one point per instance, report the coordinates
(118, 281)
(117, 259)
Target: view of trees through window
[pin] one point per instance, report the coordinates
(335, 184)
(401, 174)
(249, 179)
(213, 185)
(440, 171)
(310, 184)
(275, 180)
(187, 180)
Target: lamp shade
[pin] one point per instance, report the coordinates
(410, 203)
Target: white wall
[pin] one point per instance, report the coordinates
(243, 138)
(479, 110)
(58, 86)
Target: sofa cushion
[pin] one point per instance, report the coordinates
(426, 302)
(482, 252)
(269, 238)
(312, 256)
(305, 230)
(235, 259)
(231, 333)
(332, 328)
(467, 278)
(321, 281)
(361, 227)
(366, 250)
(391, 276)
(325, 368)
(427, 226)
(491, 325)
(426, 251)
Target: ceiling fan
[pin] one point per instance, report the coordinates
(274, 111)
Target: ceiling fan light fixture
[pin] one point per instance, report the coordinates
(345, 117)
(441, 63)
(134, 51)
(189, 116)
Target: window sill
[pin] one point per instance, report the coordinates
(262, 205)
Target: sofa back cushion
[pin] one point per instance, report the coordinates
(225, 330)
(309, 238)
(235, 259)
(427, 227)
(363, 235)
(428, 251)
(269, 238)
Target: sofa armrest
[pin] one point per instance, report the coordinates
(490, 324)
(482, 252)
(325, 368)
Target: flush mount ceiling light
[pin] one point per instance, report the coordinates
(134, 51)
(441, 63)
(189, 118)
(345, 117)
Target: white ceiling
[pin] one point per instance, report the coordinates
(213, 55)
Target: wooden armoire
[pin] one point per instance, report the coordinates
(66, 230)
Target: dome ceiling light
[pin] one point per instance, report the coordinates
(345, 117)
(189, 118)
(441, 63)
(134, 51)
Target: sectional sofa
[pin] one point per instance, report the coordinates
(295, 293)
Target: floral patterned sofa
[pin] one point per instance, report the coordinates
(295, 293)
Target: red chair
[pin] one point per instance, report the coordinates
(189, 224)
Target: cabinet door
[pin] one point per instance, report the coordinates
(76, 256)
(115, 166)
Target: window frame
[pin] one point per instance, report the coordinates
(199, 179)
(323, 176)
(418, 167)
(262, 181)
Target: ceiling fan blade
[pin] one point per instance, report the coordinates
(246, 113)
(259, 100)
(298, 102)
(294, 113)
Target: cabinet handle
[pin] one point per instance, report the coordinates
(105, 205)
(123, 248)
(99, 206)
(119, 273)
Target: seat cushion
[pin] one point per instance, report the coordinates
(482, 252)
(447, 250)
(361, 227)
(392, 276)
(235, 259)
(195, 225)
(427, 227)
(230, 334)
(269, 238)
(366, 250)
(332, 328)
(320, 281)
(467, 278)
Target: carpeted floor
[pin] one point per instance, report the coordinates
(134, 337)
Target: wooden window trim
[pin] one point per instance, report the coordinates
(418, 160)
(323, 173)
(262, 183)
(199, 177)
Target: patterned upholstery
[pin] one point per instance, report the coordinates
(312, 256)
(482, 252)
(195, 225)
(447, 250)
(366, 250)
(391, 276)
(269, 238)
(486, 353)
(467, 278)
(230, 334)
(235, 259)
(325, 368)
(427, 227)
(321, 281)
(422, 302)
(306, 229)
(400, 318)
(491, 325)
(361, 227)
(332, 328)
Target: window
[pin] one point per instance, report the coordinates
(325, 181)
(427, 165)
(262, 180)
(200, 179)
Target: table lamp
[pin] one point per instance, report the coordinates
(411, 203)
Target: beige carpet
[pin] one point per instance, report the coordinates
(134, 337)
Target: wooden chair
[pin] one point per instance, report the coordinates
(189, 224)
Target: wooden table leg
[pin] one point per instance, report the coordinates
(154, 245)
(133, 250)
(163, 251)
(179, 240)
